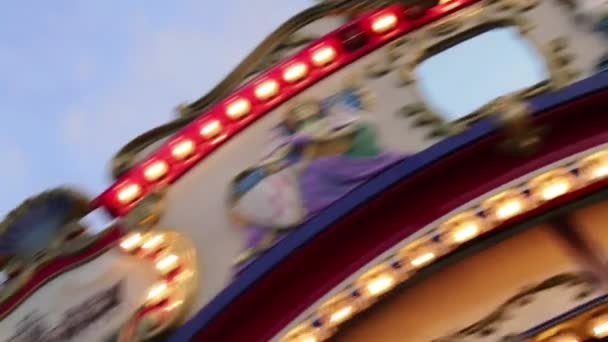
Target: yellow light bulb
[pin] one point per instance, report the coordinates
(324, 56)
(384, 23)
(295, 72)
(156, 171)
(129, 193)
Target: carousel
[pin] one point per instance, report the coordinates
(323, 191)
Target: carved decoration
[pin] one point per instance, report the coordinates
(40, 229)
(488, 327)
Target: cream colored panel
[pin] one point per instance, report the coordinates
(111, 288)
(468, 291)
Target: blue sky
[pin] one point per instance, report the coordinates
(78, 79)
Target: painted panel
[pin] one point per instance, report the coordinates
(91, 303)
(311, 151)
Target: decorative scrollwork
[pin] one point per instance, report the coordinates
(41, 229)
(490, 324)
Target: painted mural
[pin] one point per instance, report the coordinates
(322, 150)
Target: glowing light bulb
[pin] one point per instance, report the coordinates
(156, 171)
(238, 109)
(295, 72)
(131, 242)
(554, 190)
(423, 259)
(508, 209)
(384, 23)
(465, 232)
(157, 291)
(599, 326)
(380, 284)
(129, 193)
(267, 90)
(341, 315)
(153, 242)
(183, 150)
(211, 129)
(324, 56)
(167, 263)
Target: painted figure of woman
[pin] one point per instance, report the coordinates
(323, 151)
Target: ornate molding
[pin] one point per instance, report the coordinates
(488, 325)
(125, 157)
(470, 22)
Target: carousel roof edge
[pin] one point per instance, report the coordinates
(413, 165)
(254, 62)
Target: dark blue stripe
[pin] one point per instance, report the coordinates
(566, 316)
(361, 195)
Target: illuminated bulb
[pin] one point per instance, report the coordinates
(131, 242)
(211, 129)
(306, 338)
(595, 166)
(153, 242)
(129, 193)
(380, 284)
(508, 209)
(238, 109)
(599, 326)
(295, 72)
(384, 23)
(324, 56)
(267, 90)
(554, 189)
(157, 291)
(464, 232)
(183, 150)
(341, 315)
(600, 171)
(423, 259)
(167, 263)
(156, 171)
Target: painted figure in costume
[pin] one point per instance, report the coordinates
(321, 151)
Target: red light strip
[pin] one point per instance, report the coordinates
(252, 101)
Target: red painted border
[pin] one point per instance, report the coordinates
(61, 265)
(295, 284)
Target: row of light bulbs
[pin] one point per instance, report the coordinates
(151, 246)
(273, 86)
(265, 90)
(596, 327)
(460, 228)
